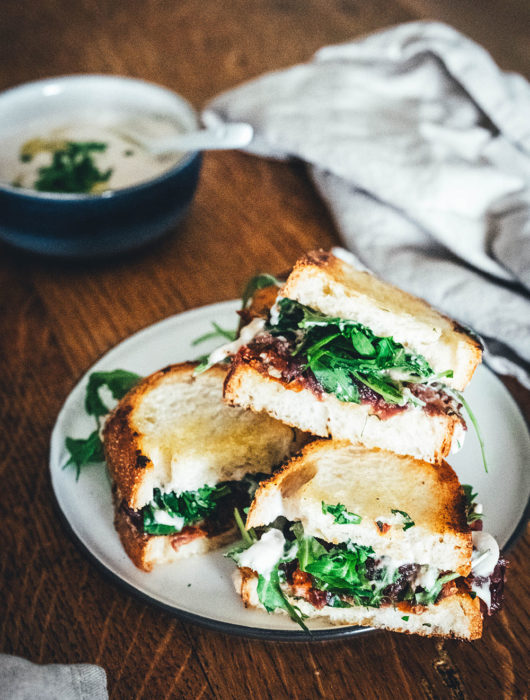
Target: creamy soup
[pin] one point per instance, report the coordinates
(109, 144)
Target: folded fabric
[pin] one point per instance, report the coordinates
(420, 146)
(23, 680)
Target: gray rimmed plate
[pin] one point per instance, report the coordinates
(200, 589)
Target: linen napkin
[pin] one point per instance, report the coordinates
(420, 145)
(23, 680)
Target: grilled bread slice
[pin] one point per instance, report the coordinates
(268, 372)
(335, 288)
(371, 484)
(428, 436)
(406, 516)
(173, 432)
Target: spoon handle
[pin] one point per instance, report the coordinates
(222, 137)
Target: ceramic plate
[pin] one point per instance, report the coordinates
(200, 588)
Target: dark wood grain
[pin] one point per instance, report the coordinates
(57, 319)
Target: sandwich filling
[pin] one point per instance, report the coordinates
(291, 565)
(306, 349)
(205, 512)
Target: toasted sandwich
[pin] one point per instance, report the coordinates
(341, 353)
(370, 538)
(180, 461)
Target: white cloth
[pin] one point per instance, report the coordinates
(23, 680)
(420, 146)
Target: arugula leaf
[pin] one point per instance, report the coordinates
(249, 537)
(409, 522)
(269, 590)
(341, 569)
(309, 548)
(151, 527)
(470, 497)
(340, 515)
(335, 602)
(476, 426)
(429, 597)
(188, 507)
(335, 380)
(84, 451)
(347, 572)
(87, 450)
(218, 332)
(343, 353)
(468, 494)
(118, 381)
(272, 597)
(258, 282)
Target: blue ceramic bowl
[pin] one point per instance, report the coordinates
(94, 225)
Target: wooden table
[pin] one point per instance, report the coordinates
(57, 319)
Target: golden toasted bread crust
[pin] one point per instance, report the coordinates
(335, 268)
(122, 439)
(452, 518)
(134, 542)
(449, 518)
(325, 260)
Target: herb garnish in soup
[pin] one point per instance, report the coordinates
(73, 168)
(88, 157)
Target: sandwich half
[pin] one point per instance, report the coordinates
(180, 461)
(370, 538)
(343, 354)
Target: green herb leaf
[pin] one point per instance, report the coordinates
(272, 597)
(341, 569)
(119, 382)
(429, 597)
(460, 397)
(470, 497)
(249, 537)
(468, 493)
(408, 521)
(346, 571)
(258, 282)
(189, 507)
(218, 332)
(340, 515)
(309, 548)
(335, 602)
(84, 451)
(73, 169)
(405, 617)
(343, 354)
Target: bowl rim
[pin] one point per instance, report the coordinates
(27, 193)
